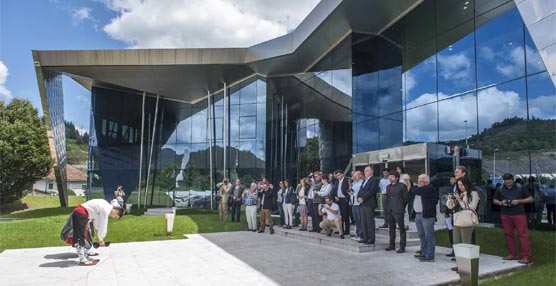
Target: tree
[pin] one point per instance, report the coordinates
(24, 152)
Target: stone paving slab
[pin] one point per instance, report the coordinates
(232, 258)
(348, 244)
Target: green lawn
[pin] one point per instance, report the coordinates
(30, 202)
(543, 244)
(42, 227)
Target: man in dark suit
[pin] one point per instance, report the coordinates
(341, 196)
(396, 199)
(367, 204)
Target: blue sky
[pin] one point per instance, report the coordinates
(50, 25)
(118, 24)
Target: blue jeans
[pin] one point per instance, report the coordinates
(281, 211)
(425, 227)
(357, 217)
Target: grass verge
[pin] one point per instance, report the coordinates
(42, 227)
(543, 247)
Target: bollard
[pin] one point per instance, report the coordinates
(467, 259)
(128, 208)
(169, 223)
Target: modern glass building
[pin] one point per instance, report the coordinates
(398, 80)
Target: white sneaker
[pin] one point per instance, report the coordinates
(357, 238)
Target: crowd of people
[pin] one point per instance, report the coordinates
(335, 202)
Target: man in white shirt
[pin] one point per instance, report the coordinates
(96, 211)
(333, 218)
(384, 182)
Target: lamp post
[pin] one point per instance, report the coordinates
(466, 145)
(494, 167)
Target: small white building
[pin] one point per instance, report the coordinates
(77, 182)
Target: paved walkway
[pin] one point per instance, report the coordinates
(234, 258)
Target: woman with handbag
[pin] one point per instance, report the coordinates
(464, 203)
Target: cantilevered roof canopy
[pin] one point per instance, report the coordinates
(187, 74)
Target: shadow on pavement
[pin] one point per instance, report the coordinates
(60, 264)
(67, 255)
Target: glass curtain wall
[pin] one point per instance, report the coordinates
(309, 118)
(472, 77)
(176, 144)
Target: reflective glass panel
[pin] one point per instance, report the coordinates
(457, 118)
(542, 121)
(247, 129)
(421, 124)
(456, 67)
(502, 102)
(542, 97)
(249, 93)
(534, 61)
(500, 49)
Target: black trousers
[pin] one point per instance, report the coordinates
(314, 213)
(394, 219)
(368, 223)
(344, 212)
(236, 210)
(550, 213)
(384, 208)
(82, 231)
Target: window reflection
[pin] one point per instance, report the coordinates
(542, 97)
(533, 58)
(419, 83)
(247, 129)
(501, 102)
(456, 68)
(500, 49)
(421, 124)
(457, 117)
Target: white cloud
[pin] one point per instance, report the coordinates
(81, 14)
(542, 107)
(510, 61)
(5, 94)
(409, 83)
(511, 65)
(455, 67)
(486, 53)
(496, 105)
(201, 23)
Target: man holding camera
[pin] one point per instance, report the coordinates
(331, 217)
(511, 198)
(267, 196)
(224, 191)
(314, 200)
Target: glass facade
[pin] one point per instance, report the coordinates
(453, 73)
(57, 128)
(166, 152)
(309, 118)
(468, 81)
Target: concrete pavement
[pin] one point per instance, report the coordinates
(233, 258)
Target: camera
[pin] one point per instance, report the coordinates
(508, 202)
